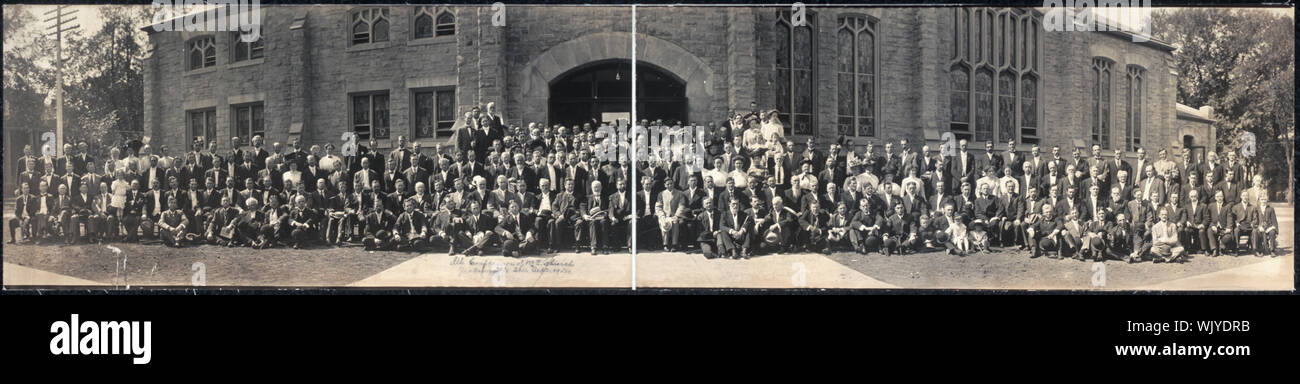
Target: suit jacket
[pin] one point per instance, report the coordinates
(1231, 193)
(1223, 217)
(1266, 218)
(741, 221)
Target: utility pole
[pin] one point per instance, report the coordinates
(60, 18)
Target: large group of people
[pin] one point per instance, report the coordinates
(514, 190)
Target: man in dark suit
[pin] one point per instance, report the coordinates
(1196, 220)
(1264, 227)
(812, 225)
(1221, 232)
(1116, 165)
(1230, 187)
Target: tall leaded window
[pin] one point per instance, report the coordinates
(370, 115)
(369, 25)
(202, 52)
(435, 112)
(1101, 68)
(794, 73)
(856, 76)
(244, 50)
(1133, 127)
(993, 74)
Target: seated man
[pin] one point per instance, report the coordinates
(248, 227)
(564, 215)
(172, 224)
(1264, 223)
(376, 223)
(476, 232)
(710, 230)
(781, 232)
(1221, 233)
(302, 222)
(1245, 222)
(220, 227)
(840, 226)
(516, 232)
(410, 230)
(1164, 240)
(24, 210)
(442, 225)
(1044, 232)
(277, 229)
(988, 215)
(898, 234)
(865, 228)
(1072, 235)
(735, 234)
(813, 223)
(341, 211)
(1119, 238)
(597, 215)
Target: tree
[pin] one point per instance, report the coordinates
(27, 81)
(1242, 63)
(106, 90)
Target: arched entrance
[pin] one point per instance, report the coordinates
(653, 54)
(601, 92)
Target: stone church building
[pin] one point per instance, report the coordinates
(865, 73)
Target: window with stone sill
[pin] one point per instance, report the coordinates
(993, 75)
(248, 122)
(201, 125)
(369, 25)
(427, 22)
(202, 52)
(370, 115)
(243, 51)
(435, 113)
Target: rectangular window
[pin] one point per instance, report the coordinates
(245, 51)
(201, 125)
(370, 115)
(435, 113)
(248, 122)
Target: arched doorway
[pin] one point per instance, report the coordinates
(602, 92)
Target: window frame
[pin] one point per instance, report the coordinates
(205, 42)
(783, 18)
(210, 126)
(256, 48)
(438, 132)
(369, 16)
(252, 122)
(1135, 94)
(1102, 111)
(438, 30)
(1003, 43)
(857, 25)
(371, 124)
